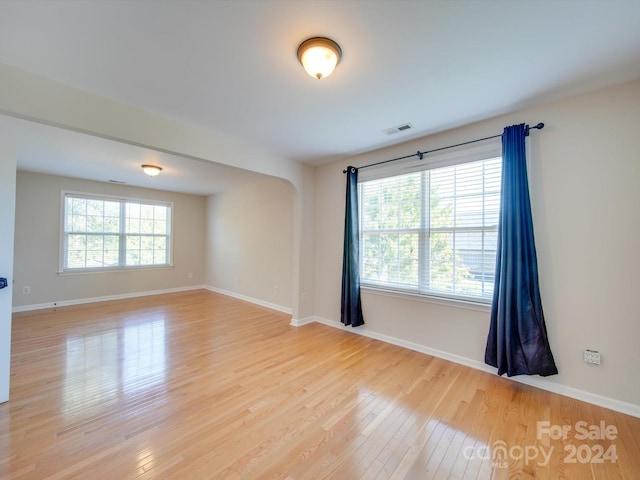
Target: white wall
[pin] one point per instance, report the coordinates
(584, 177)
(7, 209)
(37, 235)
(249, 248)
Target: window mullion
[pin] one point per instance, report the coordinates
(453, 235)
(86, 238)
(484, 226)
(425, 247)
(122, 244)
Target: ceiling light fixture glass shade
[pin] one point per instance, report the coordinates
(151, 170)
(319, 56)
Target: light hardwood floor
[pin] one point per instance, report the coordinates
(197, 385)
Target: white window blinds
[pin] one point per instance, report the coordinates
(433, 230)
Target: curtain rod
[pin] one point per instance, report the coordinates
(420, 154)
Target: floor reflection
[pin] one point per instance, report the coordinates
(91, 375)
(416, 440)
(144, 363)
(101, 366)
(145, 460)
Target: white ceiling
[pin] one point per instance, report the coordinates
(231, 66)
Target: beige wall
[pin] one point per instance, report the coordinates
(37, 243)
(250, 242)
(584, 177)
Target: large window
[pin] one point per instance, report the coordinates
(433, 230)
(112, 233)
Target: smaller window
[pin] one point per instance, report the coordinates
(102, 233)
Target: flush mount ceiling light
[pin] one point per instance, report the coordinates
(151, 170)
(319, 56)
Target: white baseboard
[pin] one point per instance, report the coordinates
(539, 382)
(106, 298)
(245, 298)
(303, 321)
(80, 301)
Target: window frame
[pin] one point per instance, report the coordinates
(484, 150)
(123, 200)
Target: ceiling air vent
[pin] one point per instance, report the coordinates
(399, 128)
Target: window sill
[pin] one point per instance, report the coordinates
(449, 302)
(113, 270)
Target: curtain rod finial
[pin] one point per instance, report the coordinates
(539, 126)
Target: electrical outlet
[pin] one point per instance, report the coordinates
(592, 356)
(304, 296)
(26, 290)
